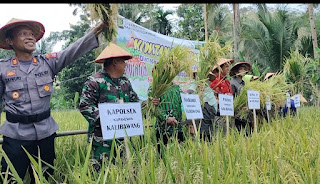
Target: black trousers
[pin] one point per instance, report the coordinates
(20, 160)
(165, 138)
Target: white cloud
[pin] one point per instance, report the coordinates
(54, 17)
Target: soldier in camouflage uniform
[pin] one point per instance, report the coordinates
(108, 85)
(26, 85)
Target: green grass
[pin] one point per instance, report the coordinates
(285, 151)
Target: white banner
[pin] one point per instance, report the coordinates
(120, 120)
(226, 105)
(146, 47)
(191, 105)
(253, 99)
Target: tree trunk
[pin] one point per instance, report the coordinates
(313, 31)
(205, 22)
(236, 19)
(150, 15)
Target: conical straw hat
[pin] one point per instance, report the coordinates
(268, 75)
(222, 61)
(37, 28)
(302, 99)
(236, 67)
(113, 51)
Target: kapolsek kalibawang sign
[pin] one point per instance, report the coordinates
(146, 47)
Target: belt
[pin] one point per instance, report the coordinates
(26, 119)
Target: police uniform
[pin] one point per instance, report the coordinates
(27, 97)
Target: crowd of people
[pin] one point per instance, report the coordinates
(26, 86)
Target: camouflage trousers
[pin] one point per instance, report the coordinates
(101, 151)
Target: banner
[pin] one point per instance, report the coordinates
(146, 46)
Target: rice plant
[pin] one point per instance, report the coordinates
(108, 13)
(170, 64)
(284, 151)
(208, 58)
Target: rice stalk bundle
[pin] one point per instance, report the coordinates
(276, 87)
(208, 57)
(108, 13)
(170, 64)
(295, 70)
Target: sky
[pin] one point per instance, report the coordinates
(54, 17)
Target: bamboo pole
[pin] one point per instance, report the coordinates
(195, 127)
(255, 121)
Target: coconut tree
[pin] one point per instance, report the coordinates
(135, 12)
(268, 36)
(161, 23)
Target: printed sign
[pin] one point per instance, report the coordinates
(191, 105)
(288, 100)
(120, 120)
(226, 105)
(296, 100)
(268, 104)
(253, 99)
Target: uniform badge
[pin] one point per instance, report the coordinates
(46, 87)
(15, 61)
(34, 60)
(15, 95)
(51, 55)
(11, 73)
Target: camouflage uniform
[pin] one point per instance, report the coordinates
(102, 88)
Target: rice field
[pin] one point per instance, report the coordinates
(284, 151)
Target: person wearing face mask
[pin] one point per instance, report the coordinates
(237, 72)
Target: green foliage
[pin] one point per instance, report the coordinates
(192, 25)
(6, 53)
(72, 77)
(268, 37)
(295, 70)
(161, 24)
(283, 151)
(76, 100)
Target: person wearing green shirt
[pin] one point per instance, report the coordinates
(169, 116)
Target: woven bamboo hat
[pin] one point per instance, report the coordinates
(302, 99)
(113, 51)
(222, 61)
(248, 78)
(268, 75)
(36, 27)
(236, 66)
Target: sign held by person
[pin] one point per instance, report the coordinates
(191, 105)
(296, 100)
(253, 99)
(120, 120)
(226, 105)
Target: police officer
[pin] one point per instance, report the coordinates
(26, 85)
